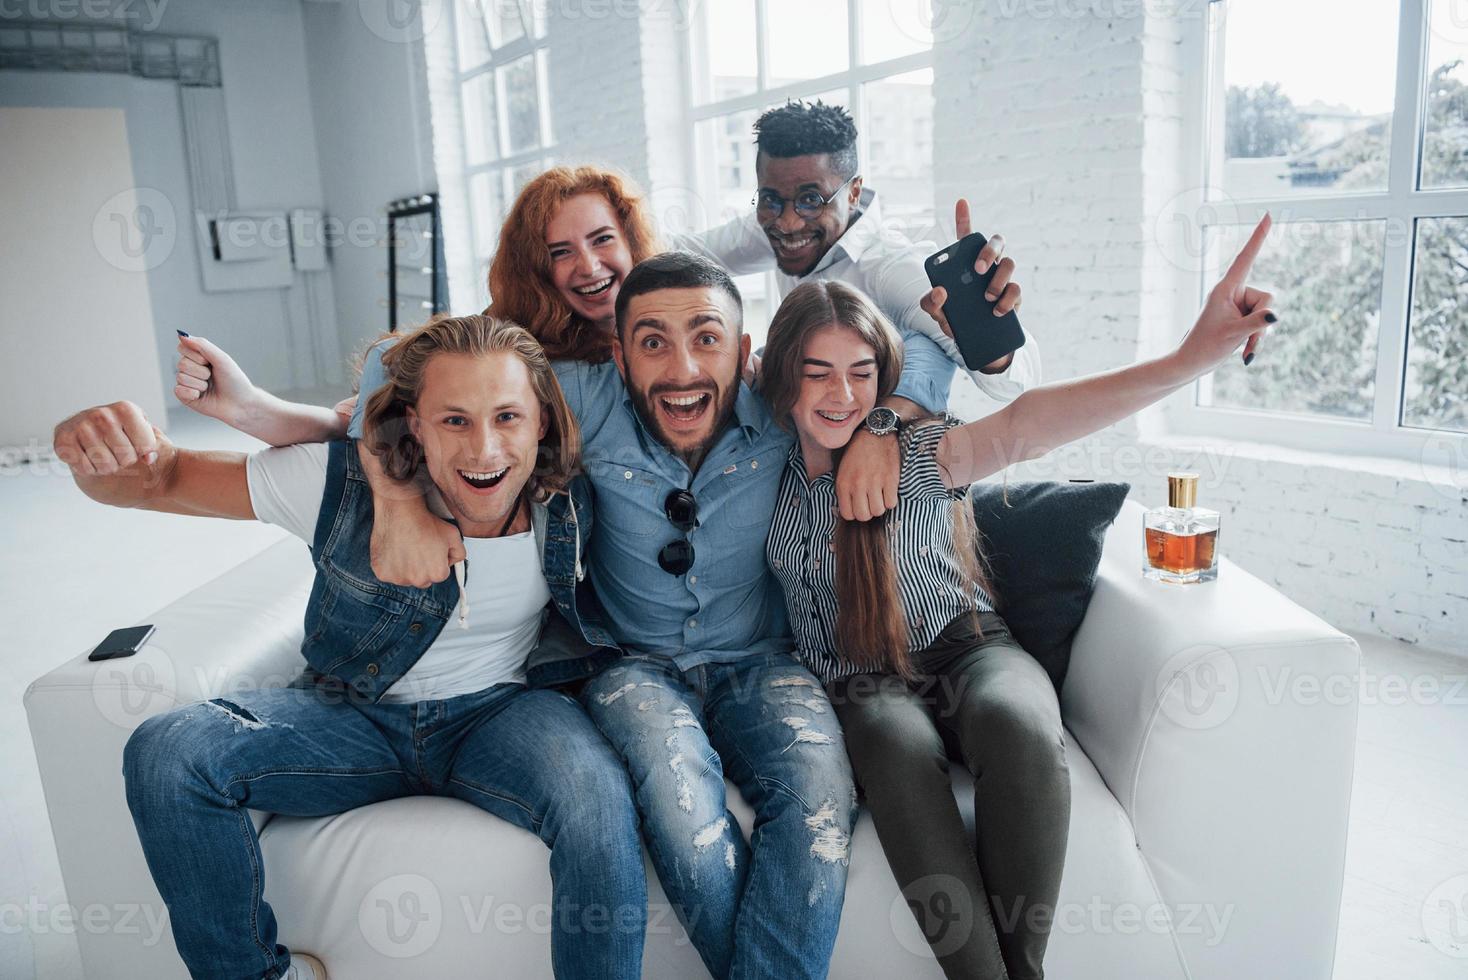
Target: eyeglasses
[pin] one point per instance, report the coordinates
(808, 203)
(676, 557)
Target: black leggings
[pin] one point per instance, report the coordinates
(987, 702)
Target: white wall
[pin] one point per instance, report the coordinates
(76, 323)
(368, 96)
(273, 143)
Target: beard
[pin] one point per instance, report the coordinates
(723, 398)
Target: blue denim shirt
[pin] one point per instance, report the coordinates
(365, 634)
(728, 605)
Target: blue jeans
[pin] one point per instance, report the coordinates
(528, 756)
(769, 908)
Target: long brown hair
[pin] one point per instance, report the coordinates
(520, 285)
(385, 427)
(871, 623)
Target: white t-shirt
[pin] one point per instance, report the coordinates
(505, 585)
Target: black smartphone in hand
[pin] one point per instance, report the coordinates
(982, 337)
(122, 643)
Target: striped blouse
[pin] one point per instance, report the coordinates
(801, 552)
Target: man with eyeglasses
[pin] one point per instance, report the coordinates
(813, 217)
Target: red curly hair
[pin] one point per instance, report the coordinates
(520, 285)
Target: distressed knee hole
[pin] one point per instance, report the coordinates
(613, 696)
(804, 733)
(830, 843)
(242, 717)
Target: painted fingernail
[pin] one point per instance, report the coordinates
(1270, 318)
(179, 332)
(1248, 358)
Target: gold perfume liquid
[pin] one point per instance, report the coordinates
(1180, 541)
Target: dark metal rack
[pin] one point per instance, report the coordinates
(417, 279)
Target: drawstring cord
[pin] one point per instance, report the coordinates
(459, 566)
(463, 596)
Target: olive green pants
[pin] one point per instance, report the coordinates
(986, 911)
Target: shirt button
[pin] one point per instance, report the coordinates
(754, 465)
(372, 669)
(923, 550)
(778, 563)
(831, 546)
(416, 627)
(693, 624)
(815, 564)
(627, 475)
(693, 580)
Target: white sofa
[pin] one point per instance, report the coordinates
(1210, 736)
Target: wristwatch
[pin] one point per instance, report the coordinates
(881, 422)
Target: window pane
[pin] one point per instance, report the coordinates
(522, 174)
(505, 20)
(722, 50)
(485, 214)
(808, 40)
(517, 85)
(899, 159)
(1436, 391)
(725, 147)
(481, 127)
(1297, 125)
(1445, 123)
(1320, 358)
(891, 29)
(469, 30)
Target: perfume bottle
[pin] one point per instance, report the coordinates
(1181, 539)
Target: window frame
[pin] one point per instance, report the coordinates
(1401, 205)
(852, 79)
(535, 43)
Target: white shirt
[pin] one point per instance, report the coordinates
(880, 261)
(506, 587)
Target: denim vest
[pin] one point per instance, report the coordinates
(365, 634)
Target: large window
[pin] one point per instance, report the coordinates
(1360, 152)
(501, 46)
(872, 56)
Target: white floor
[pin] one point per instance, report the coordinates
(72, 570)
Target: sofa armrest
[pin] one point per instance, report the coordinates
(240, 631)
(1223, 718)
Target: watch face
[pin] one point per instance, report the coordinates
(882, 420)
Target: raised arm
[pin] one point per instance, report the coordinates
(118, 457)
(211, 383)
(1050, 416)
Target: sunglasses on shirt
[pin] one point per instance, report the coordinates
(676, 557)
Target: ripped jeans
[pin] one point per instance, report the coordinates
(529, 756)
(769, 908)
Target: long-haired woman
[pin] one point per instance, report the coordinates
(895, 614)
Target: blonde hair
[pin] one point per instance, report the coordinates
(385, 427)
(871, 622)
